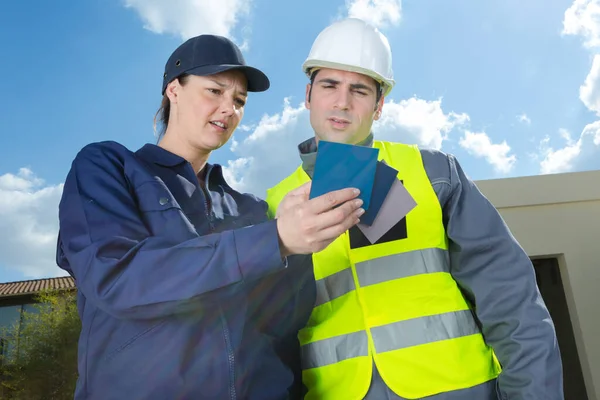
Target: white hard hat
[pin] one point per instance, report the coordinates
(356, 46)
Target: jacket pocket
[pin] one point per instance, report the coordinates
(133, 340)
(155, 196)
(161, 212)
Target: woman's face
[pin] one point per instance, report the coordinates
(207, 109)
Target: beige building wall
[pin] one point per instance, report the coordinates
(559, 215)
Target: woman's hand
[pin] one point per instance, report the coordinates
(308, 226)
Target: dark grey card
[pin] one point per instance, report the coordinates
(396, 205)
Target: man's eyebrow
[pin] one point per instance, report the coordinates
(360, 86)
(221, 84)
(331, 81)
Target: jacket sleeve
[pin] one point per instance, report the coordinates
(498, 277)
(129, 273)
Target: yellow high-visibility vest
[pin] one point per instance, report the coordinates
(393, 303)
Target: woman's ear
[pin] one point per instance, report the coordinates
(172, 90)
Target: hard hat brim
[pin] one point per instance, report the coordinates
(311, 65)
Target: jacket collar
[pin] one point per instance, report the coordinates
(157, 155)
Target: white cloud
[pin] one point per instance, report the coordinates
(583, 18)
(524, 119)
(498, 155)
(417, 121)
(29, 224)
(270, 153)
(560, 160)
(188, 18)
(589, 92)
(592, 131)
(566, 135)
(574, 154)
(245, 128)
(380, 13)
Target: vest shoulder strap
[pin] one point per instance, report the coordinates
(278, 192)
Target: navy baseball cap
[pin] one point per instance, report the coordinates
(210, 54)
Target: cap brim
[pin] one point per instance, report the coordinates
(257, 80)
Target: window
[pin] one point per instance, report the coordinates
(10, 315)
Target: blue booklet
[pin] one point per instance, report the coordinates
(340, 166)
(384, 178)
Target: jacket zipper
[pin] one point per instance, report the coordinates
(231, 358)
(207, 202)
(230, 355)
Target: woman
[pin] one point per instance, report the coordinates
(184, 290)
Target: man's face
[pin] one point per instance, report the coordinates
(343, 105)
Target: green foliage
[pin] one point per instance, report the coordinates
(40, 362)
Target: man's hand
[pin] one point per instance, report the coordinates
(308, 226)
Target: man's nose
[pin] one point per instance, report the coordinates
(343, 100)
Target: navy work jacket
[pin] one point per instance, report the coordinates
(182, 291)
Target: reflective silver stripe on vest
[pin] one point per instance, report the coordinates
(382, 269)
(422, 330)
(394, 336)
(334, 286)
(402, 265)
(335, 349)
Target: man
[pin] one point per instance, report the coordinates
(443, 306)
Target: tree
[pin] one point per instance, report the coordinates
(41, 361)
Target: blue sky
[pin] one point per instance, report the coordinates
(511, 88)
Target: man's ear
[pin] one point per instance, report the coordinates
(378, 109)
(307, 96)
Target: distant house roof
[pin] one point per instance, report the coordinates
(35, 286)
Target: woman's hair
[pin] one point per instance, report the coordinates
(165, 109)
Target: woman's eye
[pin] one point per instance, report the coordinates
(215, 91)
